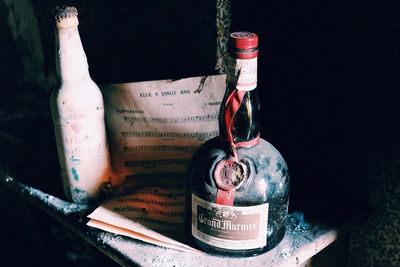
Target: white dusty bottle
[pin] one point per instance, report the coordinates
(78, 117)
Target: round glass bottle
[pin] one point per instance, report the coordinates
(238, 183)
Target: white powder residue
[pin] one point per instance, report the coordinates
(303, 239)
(162, 261)
(52, 202)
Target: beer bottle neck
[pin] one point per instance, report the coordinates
(71, 59)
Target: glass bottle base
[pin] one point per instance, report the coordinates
(242, 253)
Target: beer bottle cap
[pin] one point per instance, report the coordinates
(63, 12)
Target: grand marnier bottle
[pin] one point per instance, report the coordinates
(238, 183)
(78, 117)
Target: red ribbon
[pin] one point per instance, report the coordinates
(232, 105)
(225, 197)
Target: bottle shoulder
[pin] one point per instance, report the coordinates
(263, 156)
(263, 166)
(83, 94)
(219, 145)
(82, 88)
(78, 84)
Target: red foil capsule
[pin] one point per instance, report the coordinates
(243, 45)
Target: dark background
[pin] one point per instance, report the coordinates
(328, 83)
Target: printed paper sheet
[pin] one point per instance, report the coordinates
(151, 214)
(154, 127)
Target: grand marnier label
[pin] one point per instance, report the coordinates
(229, 227)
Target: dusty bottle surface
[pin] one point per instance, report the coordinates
(78, 117)
(238, 183)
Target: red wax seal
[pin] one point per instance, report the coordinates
(229, 174)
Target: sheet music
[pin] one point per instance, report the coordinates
(154, 127)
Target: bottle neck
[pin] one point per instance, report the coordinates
(71, 62)
(239, 113)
